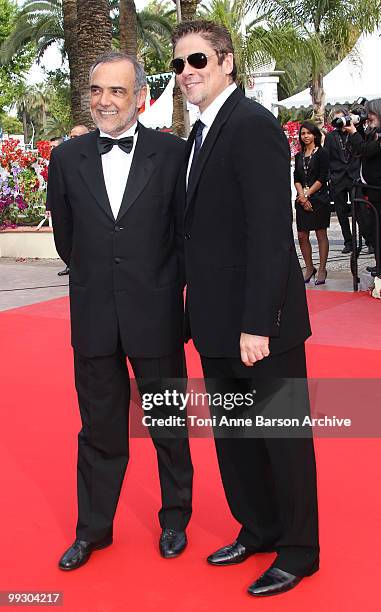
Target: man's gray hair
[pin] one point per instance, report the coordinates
(118, 56)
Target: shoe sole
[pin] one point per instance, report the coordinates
(289, 588)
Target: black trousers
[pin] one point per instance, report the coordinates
(103, 388)
(341, 193)
(375, 198)
(270, 483)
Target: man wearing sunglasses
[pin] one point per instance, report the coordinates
(246, 306)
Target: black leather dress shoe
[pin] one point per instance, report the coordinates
(371, 268)
(347, 248)
(230, 555)
(80, 552)
(64, 272)
(273, 582)
(172, 543)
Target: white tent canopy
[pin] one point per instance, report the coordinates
(349, 80)
(159, 115)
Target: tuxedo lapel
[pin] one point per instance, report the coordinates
(91, 171)
(141, 170)
(208, 144)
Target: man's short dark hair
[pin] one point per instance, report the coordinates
(313, 128)
(338, 109)
(216, 35)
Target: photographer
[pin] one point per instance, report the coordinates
(344, 171)
(368, 149)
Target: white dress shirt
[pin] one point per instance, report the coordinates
(116, 166)
(209, 115)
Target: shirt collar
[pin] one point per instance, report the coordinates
(130, 132)
(210, 113)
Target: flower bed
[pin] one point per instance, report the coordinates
(291, 129)
(23, 177)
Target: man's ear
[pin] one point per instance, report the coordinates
(228, 63)
(141, 97)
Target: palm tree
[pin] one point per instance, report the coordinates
(94, 38)
(330, 26)
(260, 41)
(189, 9)
(188, 13)
(128, 29)
(31, 104)
(69, 16)
(39, 21)
(46, 21)
(22, 109)
(154, 40)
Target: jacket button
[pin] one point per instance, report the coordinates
(187, 236)
(117, 260)
(118, 228)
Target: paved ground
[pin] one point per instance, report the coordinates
(30, 281)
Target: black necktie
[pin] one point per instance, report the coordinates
(105, 144)
(197, 146)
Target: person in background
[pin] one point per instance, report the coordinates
(368, 150)
(344, 171)
(78, 130)
(56, 141)
(312, 202)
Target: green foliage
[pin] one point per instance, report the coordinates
(57, 90)
(261, 42)
(329, 29)
(10, 125)
(12, 72)
(155, 24)
(39, 22)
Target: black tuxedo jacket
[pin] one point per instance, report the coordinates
(341, 167)
(243, 273)
(124, 273)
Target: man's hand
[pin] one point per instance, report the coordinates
(351, 129)
(253, 348)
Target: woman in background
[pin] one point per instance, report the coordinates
(312, 202)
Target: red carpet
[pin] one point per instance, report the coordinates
(37, 457)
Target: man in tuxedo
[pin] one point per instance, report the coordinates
(246, 306)
(112, 197)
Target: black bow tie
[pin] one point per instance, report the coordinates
(105, 144)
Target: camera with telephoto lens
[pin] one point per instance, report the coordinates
(357, 116)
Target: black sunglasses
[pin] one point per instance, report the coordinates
(196, 60)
